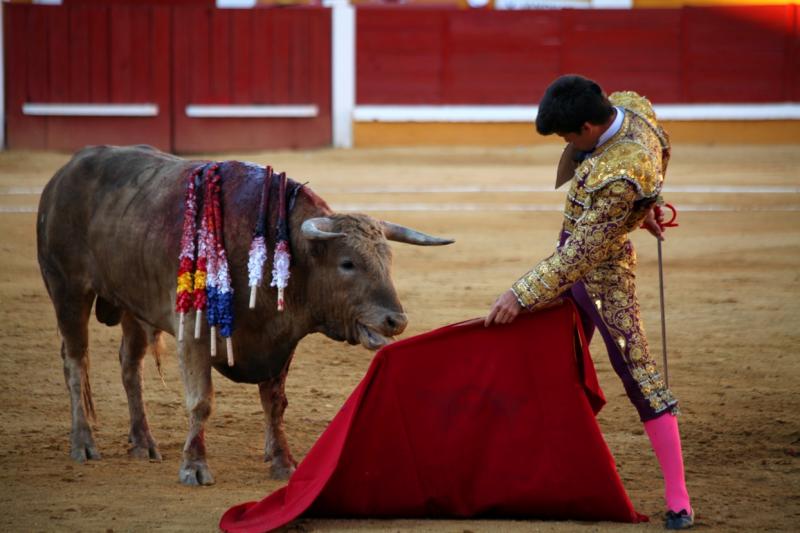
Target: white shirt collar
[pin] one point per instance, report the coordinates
(613, 129)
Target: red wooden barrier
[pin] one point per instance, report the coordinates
(793, 60)
(173, 57)
(687, 55)
(86, 55)
(251, 57)
(438, 56)
(738, 54)
(638, 50)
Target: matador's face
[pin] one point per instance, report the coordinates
(586, 139)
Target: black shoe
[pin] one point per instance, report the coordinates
(681, 520)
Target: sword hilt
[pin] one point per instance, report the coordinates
(659, 211)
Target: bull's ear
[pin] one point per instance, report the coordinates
(319, 229)
(398, 233)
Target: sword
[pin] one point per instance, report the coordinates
(669, 224)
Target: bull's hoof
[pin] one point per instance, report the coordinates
(82, 453)
(195, 473)
(83, 448)
(145, 452)
(281, 470)
(143, 446)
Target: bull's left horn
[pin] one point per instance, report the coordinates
(396, 232)
(315, 229)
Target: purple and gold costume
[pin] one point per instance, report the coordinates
(611, 192)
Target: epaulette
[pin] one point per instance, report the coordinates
(635, 102)
(629, 161)
(641, 107)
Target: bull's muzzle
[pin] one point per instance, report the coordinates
(395, 323)
(377, 334)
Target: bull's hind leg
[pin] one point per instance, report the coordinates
(72, 312)
(276, 448)
(195, 362)
(131, 353)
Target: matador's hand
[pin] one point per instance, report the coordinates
(654, 222)
(505, 309)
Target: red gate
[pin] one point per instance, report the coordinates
(251, 79)
(87, 75)
(183, 78)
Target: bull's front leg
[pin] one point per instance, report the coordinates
(195, 362)
(276, 449)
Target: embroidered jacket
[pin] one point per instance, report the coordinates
(610, 194)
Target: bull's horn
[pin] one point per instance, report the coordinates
(317, 229)
(396, 232)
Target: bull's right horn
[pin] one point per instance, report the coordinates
(318, 229)
(398, 233)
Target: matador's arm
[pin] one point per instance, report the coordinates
(590, 244)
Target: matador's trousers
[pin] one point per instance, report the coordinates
(606, 300)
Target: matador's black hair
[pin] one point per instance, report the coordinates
(570, 101)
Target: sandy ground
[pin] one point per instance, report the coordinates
(733, 297)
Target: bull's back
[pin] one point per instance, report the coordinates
(106, 222)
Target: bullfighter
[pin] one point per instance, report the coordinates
(615, 160)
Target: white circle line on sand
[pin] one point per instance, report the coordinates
(696, 189)
(15, 191)
(547, 208)
(18, 209)
(467, 207)
(450, 189)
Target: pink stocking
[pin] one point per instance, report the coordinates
(666, 441)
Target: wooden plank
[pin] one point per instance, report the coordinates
(320, 65)
(57, 53)
(412, 39)
(300, 64)
(505, 31)
(160, 73)
(161, 59)
(79, 81)
(261, 56)
(198, 28)
(99, 55)
(181, 27)
(141, 35)
(73, 133)
(381, 18)
(21, 131)
(242, 71)
(221, 51)
(319, 130)
(281, 51)
(793, 61)
(250, 134)
(38, 79)
(15, 30)
(121, 58)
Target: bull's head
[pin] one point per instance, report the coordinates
(352, 260)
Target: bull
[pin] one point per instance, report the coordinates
(108, 234)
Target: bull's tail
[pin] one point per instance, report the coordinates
(111, 315)
(156, 342)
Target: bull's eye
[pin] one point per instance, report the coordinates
(347, 265)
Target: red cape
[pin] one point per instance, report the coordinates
(463, 421)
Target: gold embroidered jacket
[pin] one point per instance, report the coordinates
(610, 194)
